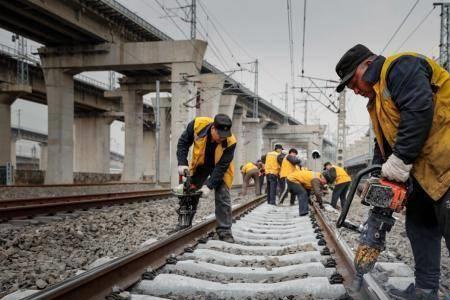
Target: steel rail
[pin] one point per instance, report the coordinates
(344, 258)
(124, 271)
(14, 208)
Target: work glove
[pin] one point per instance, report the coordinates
(182, 170)
(395, 169)
(205, 191)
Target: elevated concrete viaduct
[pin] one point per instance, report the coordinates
(104, 35)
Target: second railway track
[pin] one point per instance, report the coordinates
(277, 255)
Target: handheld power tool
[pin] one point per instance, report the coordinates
(188, 201)
(385, 197)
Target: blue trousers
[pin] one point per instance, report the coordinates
(297, 190)
(427, 221)
(272, 182)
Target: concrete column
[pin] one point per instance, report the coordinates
(183, 89)
(92, 144)
(43, 157)
(5, 128)
(133, 168)
(164, 133)
(210, 88)
(227, 103)
(149, 154)
(253, 139)
(60, 101)
(239, 152)
(13, 152)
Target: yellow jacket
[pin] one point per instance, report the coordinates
(286, 168)
(341, 175)
(247, 167)
(198, 153)
(303, 177)
(272, 166)
(432, 166)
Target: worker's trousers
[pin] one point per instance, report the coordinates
(261, 182)
(427, 221)
(285, 193)
(340, 191)
(246, 181)
(281, 186)
(272, 181)
(223, 208)
(298, 191)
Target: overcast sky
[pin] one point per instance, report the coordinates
(259, 29)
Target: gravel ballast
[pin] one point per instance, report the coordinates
(34, 256)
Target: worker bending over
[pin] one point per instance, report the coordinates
(409, 105)
(289, 164)
(272, 173)
(250, 171)
(262, 172)
(295, 187)
(211, 165)
(341, 179)
(311, 181)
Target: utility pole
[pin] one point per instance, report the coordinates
(157, 132)
(444, 47)
(22, 66)
(256, 99)
(340, 147)
(112, 80)
(193, 19)
(286, 103)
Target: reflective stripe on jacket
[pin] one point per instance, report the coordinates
(432, 167)
(198, 153)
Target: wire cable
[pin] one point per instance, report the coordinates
(304, 34)
(400, 26)
(415, 29)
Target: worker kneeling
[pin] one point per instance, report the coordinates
(211, 166)
(250, 171)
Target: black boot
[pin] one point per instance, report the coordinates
(413, 293)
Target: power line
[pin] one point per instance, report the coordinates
(400, 26)
(304, 34)
(415, 29)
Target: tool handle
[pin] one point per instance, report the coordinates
(351, 193)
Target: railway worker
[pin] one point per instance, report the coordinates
(272, 173)
(288, 165)
(211, 166)
(409, 105)
(262, 172)
(341, 179)
(250, 171)
(311, 181)
(295, 181)
(281, 181)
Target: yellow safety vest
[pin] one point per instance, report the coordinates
(272, 166)
(248, 166)
(303, 177)
(286, 168)
(432, 167)
(198, 153)
(341, 175)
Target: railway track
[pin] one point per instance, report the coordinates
(277, 255)
(16, 208)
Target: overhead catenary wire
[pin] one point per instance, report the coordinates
(415, 29)
(400, 26)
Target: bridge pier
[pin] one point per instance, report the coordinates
(227, 104)
(210, 87)
(149, 152)
(253, 131)
(43, 156)
(92, 144)
(8, 94)
(133, 168)
(60, 100)
(164, 134)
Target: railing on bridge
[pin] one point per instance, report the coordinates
(35, 61)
